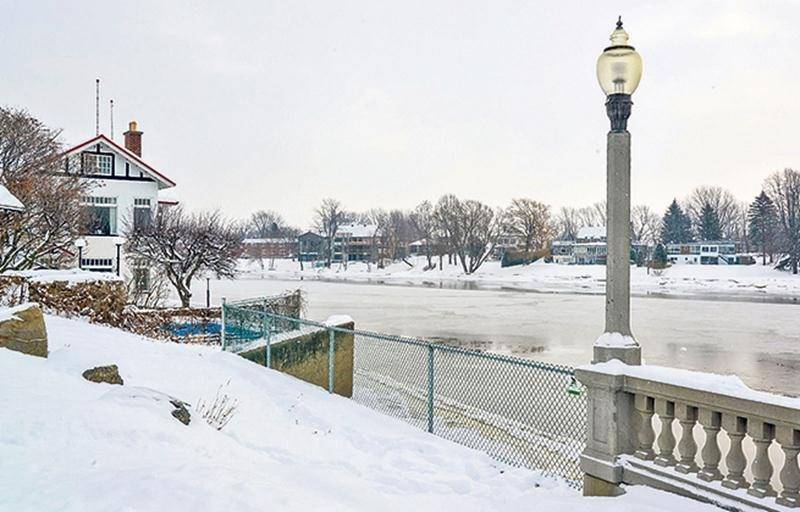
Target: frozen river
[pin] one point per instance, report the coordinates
(759, 342)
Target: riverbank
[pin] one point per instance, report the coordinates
(736, 282)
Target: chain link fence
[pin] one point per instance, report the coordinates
(244, 322)
(519, 411)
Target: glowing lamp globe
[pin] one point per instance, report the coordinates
(619, 67)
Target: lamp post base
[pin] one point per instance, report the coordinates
(631, 355)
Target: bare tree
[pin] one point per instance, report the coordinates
(530, 220)
(783, 187)
(423, 222)
(471, 229)
(182, 246)
(147, 292)
(645, 225)
(269, 224)
(42, 234)
(593, 215)
(328, 217)
(567, 223)
(724, 204)
(380, 239)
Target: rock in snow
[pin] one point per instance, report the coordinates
(108, 374)
(22, 329)
(71, 445)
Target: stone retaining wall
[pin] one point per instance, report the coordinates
(75, 293)
(305, 356)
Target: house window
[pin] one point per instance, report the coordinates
(142, 214)
(98, 163)
(102, 215)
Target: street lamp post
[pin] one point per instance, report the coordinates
(118, 241)
(619, 69)
(80, 243)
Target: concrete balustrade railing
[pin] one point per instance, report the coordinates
(643, 426)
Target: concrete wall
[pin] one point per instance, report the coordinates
(305, 356)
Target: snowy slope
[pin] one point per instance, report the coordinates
(70, 445)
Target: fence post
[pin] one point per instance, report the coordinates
(267, 332)
(222, 323)
(430, 389)
(331, 357)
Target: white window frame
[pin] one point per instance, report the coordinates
(103, 163)
(105, 202)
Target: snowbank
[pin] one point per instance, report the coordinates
(72, 276)
(738, 281)
(71, 445)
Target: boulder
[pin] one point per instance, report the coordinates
(22, 329)
(108, 374)
(180, 412)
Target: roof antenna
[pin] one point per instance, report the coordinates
(112, 119)
(97, 106)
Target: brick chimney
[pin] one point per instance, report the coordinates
(133, 139)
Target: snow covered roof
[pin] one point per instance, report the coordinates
(162, 180)
(8, 201)
(592, 232)
(256, 241)
(358, 230)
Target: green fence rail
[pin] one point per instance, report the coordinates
(519, 411)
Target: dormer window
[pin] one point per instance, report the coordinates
(98, 163)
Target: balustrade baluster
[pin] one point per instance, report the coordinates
(789, 439)
(687, 447)
(666, 438)
(736, 428)
(762, 433)
(711, 454)
(645, 434)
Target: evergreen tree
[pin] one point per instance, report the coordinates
(762, 220)
(659, 257)
(709, 228)
(676, 227)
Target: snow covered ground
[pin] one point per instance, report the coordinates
(70, 445)
(755, 282)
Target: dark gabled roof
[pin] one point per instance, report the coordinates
(310, 234)
(129, 154)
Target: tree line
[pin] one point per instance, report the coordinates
(182, 245)
(465, 231)
(468, 231)
(769, 224)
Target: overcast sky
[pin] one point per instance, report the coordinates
(276, 105)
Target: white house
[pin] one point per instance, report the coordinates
(590, 247)
(124, 194)
(356, 242)
(707, 252)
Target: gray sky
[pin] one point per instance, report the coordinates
(251, 105)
